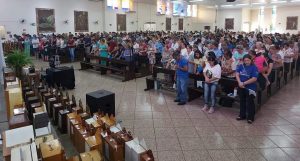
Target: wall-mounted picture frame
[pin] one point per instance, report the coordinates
(229, 23)
(292, 23)
(81, 21)
(45, 20)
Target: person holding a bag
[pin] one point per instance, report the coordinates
(246, 76)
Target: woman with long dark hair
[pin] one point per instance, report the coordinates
(246, 76)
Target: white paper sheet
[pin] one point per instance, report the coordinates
(13, 136)
(24, 153)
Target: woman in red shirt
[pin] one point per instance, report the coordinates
(71, 46)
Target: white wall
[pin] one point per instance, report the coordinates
(251, 15)
(146, 13)
(232, 13)
(11, 11)
(246, 19)
(282, 14)
(206, 17)
(266, 21)
(14, 10)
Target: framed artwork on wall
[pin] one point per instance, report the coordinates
(180, 22)
(81, 21)
(207, 28)
(292, 23)
(229, 23)
(121, 22)
(168, 24)
(45, 20)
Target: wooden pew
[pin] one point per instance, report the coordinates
(64, 55)
(194, 92)
(125, 68)
(287, 73)
(273, 87)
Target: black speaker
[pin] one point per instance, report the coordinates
(102, 100)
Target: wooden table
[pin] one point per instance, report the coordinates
(43, 139)
(18, 121)
(91, 156)
(93, 143)
(115, 151)
(52, 151)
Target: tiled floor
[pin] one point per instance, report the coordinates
(187, 134)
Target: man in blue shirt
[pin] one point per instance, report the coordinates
(182, 77)
(159, 50)
(214, 47)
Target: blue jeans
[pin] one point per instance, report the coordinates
(181, 87)
(72, 53)
(210, 93)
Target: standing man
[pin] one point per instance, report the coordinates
(181, 77)
(87, 45)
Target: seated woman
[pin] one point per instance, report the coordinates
(268, 74)
(277, 61)
(276, 57)
(259, 48)
(151, 57)
(228, 64)
(165, 56)
(238, 55)
(246, 76)
(94, 47)
(260, 62)
(199, 61)
(119, 51)
(127, 53)
(212, 74)
(190, 59)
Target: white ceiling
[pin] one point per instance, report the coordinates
(245, 3)
(236, 4)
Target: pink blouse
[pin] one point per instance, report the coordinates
(259, 62)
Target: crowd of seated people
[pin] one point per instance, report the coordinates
(222, 53)
(156, 48)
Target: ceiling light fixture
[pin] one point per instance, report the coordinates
(259, 3)
(196, 1)
(229, 5)
(277, 2)
(242, 4)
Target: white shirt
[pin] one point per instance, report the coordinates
(288, 52)
(136, 47)
(35, 43)
(57, 42)
(62, 44)
(184, 53)
(215, 71)
(175, 46)
(280, 52)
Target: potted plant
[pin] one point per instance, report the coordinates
(17, 60)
